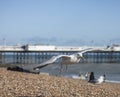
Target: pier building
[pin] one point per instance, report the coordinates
(35, 54)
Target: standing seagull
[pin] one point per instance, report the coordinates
(66, 59)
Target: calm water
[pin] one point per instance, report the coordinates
(112, 71)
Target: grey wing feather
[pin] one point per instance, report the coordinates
(86, 50)
(50, 61)
(90, 49)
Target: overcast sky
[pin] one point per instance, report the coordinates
(60, 22)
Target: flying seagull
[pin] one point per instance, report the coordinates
(66, 59)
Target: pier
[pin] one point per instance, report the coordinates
(35, 54)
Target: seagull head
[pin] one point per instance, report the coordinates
(80, 56)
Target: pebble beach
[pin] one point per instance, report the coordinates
(19, 84)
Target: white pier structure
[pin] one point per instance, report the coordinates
(31, 54)
(54, 48)
(36, 48)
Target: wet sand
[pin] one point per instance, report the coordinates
(14, 84)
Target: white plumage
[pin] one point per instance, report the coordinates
(66, 59)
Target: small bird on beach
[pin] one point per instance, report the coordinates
(66, 59)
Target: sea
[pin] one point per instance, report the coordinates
(111, 70)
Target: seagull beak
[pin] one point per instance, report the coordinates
(82, 57)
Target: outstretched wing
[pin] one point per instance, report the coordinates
(50, 61)
(90, 49)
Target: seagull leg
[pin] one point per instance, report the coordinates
(60, 68)
(66, 67)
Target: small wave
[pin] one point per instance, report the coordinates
(75, 76)
(78, 77)
(112, 81)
